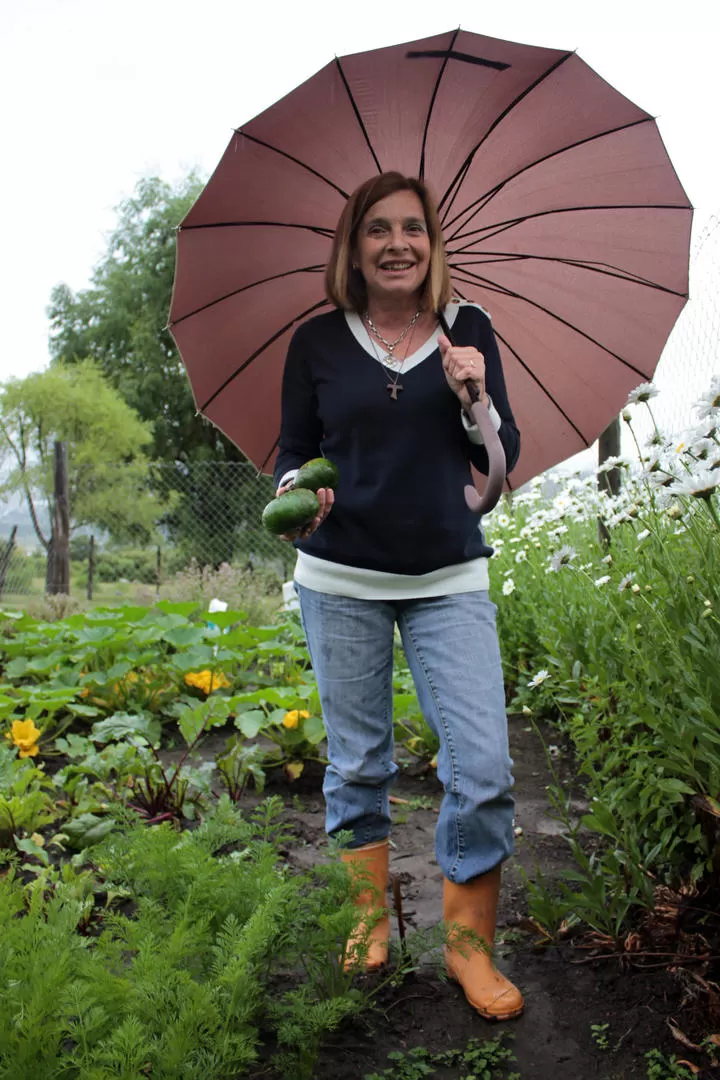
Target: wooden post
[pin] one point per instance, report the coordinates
(5, 557)
(91, 567)
(58, 564)
(158, 572)
(608, 446)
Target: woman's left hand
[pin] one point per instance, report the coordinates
(460, 363)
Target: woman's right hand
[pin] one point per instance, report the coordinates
(326, 498)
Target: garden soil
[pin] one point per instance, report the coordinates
(588, 1014)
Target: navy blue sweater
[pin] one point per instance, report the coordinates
(399, 505)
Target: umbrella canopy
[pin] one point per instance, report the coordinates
(562, 216)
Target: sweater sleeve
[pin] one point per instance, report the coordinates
(495, 388)
(300, 427)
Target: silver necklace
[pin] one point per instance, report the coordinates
(394, 386)
(391, 345)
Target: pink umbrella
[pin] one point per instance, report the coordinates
(562, 215)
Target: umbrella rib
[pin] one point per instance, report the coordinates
(358, 117)
(270, 452)
(478, 279)
(498, 120)
(421, 171)
(498, 227)
(319, 269)
(263, 347)
(297, 161)
(536, 380)
(319, 229)
(488, 196)
(581, 264)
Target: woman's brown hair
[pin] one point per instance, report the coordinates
(344, 285)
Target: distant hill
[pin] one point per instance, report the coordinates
(14, 511)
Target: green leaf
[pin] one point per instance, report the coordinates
(196, 658)
(119, 670)
(17, 667)
(86, 830)
(314, 729)
(225, 619)
(28, 845)
(250, 723)
(182, 636)
(121, 725)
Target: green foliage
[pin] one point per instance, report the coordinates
(107, 469)
(660, 1067)
(410, 727)
(480, 1060)
(120, 322)
(618, 645)
(26, 804)
(192, 983)
(237, 765)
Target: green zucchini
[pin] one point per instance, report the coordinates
(290, 511)
(317, 473)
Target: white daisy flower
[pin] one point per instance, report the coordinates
(709, 402)
(626, 582)
(539, 678)
(612, 463)
(701, 484)
(508, 587)
(521, 556)
(643, 535)
(599, 582)
(563, 557)
(644, 392)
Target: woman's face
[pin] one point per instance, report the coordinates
(393, 247)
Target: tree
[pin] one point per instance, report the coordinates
(108, 471)
(121, 322)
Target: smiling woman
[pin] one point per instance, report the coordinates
(397, 545)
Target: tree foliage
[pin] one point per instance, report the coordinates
(106, 441)
(121, 322)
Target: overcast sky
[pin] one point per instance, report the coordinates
(98, 93)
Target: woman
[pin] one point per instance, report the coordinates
(377, 388)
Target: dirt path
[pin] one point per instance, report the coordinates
(554, 1039)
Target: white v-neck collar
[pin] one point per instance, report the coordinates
(359, 332)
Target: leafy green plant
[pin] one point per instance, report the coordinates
(617, 645)
(26, 804)
(410, 727)
(599, 1033)
(660, 1067)
(478, 1060)
(237, 765)
(196, 977)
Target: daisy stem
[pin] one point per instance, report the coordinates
(652, 417)
(712, 511)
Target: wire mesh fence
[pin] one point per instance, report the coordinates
(692, 354)
(207, 515)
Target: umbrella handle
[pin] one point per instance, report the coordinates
(484, 502)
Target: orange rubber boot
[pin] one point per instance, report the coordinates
(372, 861)
(473, 906)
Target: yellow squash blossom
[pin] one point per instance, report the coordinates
(292, 719)
(206, 680)
(25, 736)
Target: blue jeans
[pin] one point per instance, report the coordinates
(452, 650)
